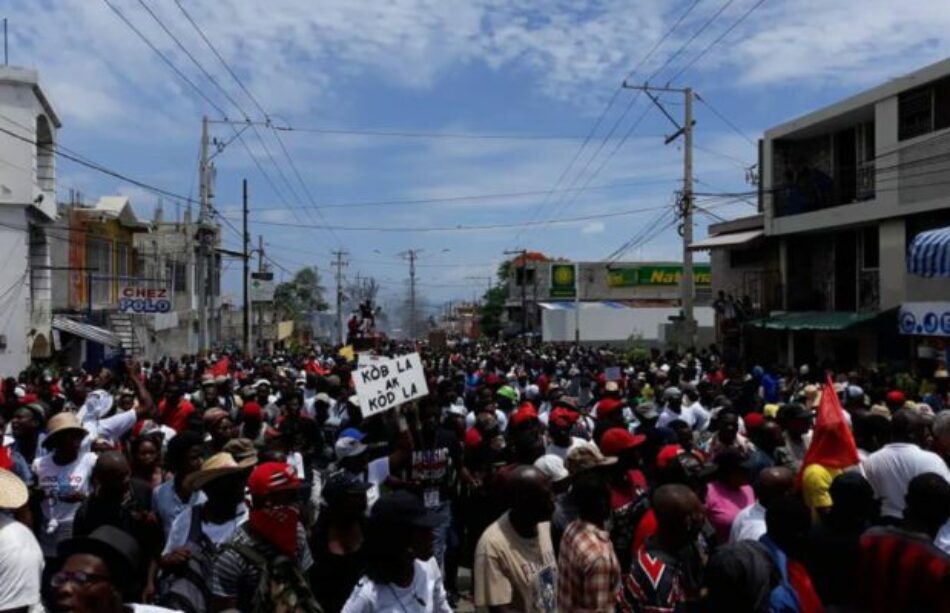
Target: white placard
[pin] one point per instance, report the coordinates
(388, 383)
(261, 288)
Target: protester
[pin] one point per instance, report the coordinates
(629, 497)
(588, 569)
(729, 492)
(515, 568)
(182, 458)
(770, 485)
(401, 574)
(21, 560)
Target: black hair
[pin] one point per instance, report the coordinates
(787, 521)
(928, 501)
(177, 452)
(591, 496)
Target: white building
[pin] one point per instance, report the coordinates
(27, 206)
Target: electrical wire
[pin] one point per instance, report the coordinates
(726, 121)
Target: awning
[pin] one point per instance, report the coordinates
(929, 254)
(813, 320)
(86, 331)
(726, 240)
(587, 304)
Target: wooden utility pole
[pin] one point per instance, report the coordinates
(247, 274)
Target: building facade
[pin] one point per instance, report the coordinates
(27, 208)
(844, 191)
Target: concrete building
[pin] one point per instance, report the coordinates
(268, 329)
(169, 252)
(844, 191)
(27, 208)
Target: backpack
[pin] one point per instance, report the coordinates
(186, 588)
(783, 598)
(282, 587)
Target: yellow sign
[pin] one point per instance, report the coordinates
(347, 353)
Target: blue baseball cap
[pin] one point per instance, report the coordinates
(352, 433)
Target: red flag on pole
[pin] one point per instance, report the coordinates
(832, 444)
(221, 367)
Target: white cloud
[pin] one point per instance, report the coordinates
(594, 227)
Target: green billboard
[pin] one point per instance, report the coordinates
(633, 276)
(563, 281)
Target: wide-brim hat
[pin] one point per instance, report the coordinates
(13, 492)
(60, 424)
(116, 548)
(219, 465)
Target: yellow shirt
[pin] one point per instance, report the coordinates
(816, 483)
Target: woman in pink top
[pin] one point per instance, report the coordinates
(729, 492)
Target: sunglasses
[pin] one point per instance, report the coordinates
(78, 577)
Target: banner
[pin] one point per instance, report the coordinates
(924, 318)
(633, 276)
(261, 287)
(388, 383)
(563, 281)
(134, 299)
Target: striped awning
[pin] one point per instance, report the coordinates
(86, 331)
(929, 254)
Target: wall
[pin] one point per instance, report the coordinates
(14, 291)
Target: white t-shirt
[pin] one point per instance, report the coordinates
(500, 417)
(21, 565)
(57, 481)
(749, 524)
(109, 428)
(890, 469)
(561, 452)
(425, 594)
(695, 416)
(216, 533)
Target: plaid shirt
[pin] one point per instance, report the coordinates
(588, 570)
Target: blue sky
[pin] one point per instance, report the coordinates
(543, 69)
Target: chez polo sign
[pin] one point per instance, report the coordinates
(134, 299)
(387, 383)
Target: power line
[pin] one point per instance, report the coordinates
(458, 228)
(603, 113)
(718, 39)
(726, 121)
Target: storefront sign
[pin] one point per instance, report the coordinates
(563, 281)
(134, 299)
(632, 276)
(262, 286)
(385, 384)
(924, 318)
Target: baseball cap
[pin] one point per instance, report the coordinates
(349, 444)
(585, 456)
(617, 440)
(525, 413)
(506, 391)
(271, 477)
(896, 397)
(754, 420)
(563, 418)
(401, 508)
(552, 467)
(611, 387)
(339, 485)
(606, 406)
(672, 392)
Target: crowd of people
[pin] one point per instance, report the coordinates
(566, 479)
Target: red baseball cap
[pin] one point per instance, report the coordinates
(617, 440)
(607, 406)
(271, 477)
(563, 418)
(473, 438)
(896, 397)
(753, 420)
(667, 454)
(252, 409)
(525, 413)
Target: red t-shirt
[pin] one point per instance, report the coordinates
(175, 417)
(646, 527)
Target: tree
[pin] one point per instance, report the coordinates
(298, 298)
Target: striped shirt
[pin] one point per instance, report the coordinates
(588, 570)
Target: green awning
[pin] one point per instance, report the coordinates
(813, 320)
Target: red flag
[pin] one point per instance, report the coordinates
(221, 367)
(832, 444)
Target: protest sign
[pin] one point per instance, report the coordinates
(612, 373)
(388, 383)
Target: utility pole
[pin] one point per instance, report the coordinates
(260, 307)
(204, 273)
(340, 263)
(477, 278)
(524, 288)
(247, 273)
(686, 201)
(411, 255)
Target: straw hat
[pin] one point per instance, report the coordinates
(219, 465)
(13, 493)
(59, 424)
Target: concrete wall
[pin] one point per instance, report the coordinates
(14, 290)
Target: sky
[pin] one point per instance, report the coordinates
(460, 128)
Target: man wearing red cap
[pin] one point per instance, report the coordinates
(628, 488)
(273, 530)
(560, 441)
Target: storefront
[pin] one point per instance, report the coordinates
(927, 325)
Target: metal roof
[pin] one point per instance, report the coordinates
(86, 331)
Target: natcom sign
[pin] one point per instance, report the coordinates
(134, 299)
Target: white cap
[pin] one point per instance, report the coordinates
(348, 447)
(552, 467)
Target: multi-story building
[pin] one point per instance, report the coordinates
(844, 191)
(27, 208)
(269, 329)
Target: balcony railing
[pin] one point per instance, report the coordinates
(815, 191)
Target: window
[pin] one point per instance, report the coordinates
(122, 260)
(870, 248)
(924, 110)
(524, 273)
(176, 273)
(99, 260)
